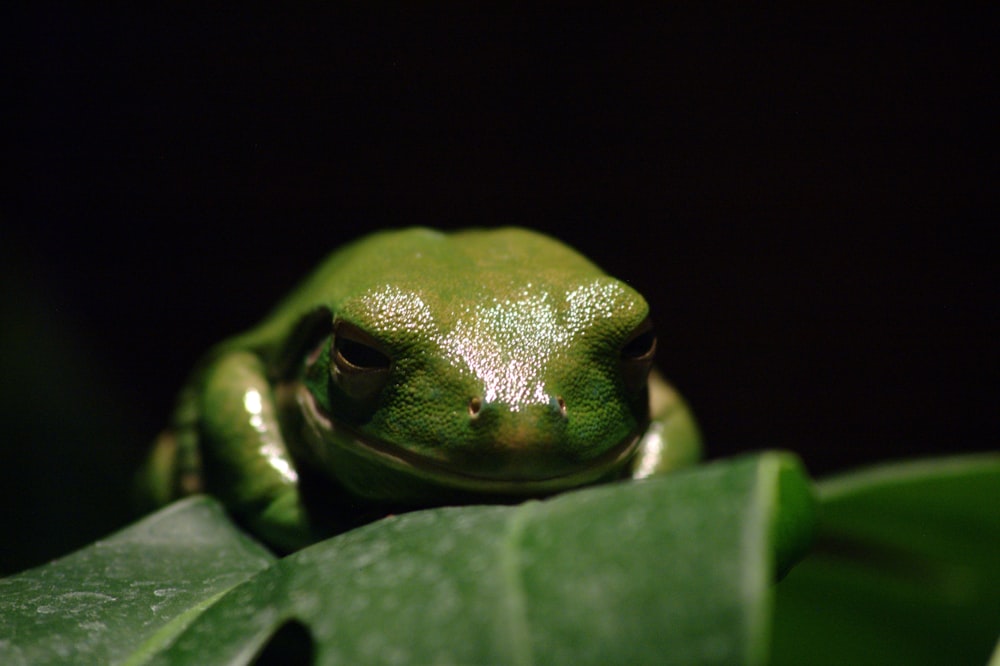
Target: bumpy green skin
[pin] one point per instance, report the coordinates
(505, 367)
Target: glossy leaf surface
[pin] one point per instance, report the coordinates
(906, 569)
(673, 570)
(124, 597)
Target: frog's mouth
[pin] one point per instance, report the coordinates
(332, 443)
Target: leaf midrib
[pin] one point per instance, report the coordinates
(515, 604)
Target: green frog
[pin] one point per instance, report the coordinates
(418, 368)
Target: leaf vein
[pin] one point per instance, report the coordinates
(515, 599)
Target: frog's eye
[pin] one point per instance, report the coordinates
(637, 356)
(358, 364)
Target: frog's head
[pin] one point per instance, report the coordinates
(500, 362)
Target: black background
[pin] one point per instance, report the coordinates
(803, 196)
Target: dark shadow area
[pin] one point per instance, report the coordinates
(798, 193)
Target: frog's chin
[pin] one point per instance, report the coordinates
(381, 470)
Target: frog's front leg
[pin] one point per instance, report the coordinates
(246, 462)
(672, 439)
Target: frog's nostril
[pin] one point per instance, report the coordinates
(475, 404)
(561, 404)
(489, 412)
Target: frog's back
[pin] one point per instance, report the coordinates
(456, 267)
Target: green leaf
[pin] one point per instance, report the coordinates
(671, 570)
(906, 569)
(676, 569)
(123, 598)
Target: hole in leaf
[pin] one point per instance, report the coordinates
(290, 645)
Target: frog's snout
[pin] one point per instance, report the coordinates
(538, 426)
(519, 441)
(555, 405)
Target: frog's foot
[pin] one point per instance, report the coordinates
(282, 522)
(167, 473)
(672, 440)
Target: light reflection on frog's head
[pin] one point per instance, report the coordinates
(507, 343)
